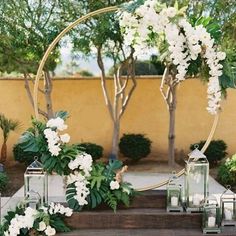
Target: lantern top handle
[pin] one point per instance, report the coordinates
(35, 164)
(197, 155)
(228, 193)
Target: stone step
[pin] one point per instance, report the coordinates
(148, 218)
(144, 232)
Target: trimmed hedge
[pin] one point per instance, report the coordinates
(135, 146)
(96, 151)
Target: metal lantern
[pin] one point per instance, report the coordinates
(196, 181)
(211, 216)
(36, 180)
(228, 208)
(174, 195)
(32, 199)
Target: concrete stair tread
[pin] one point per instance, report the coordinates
(144, 232)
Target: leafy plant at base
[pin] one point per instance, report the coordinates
(135, 146)
(99, 187)
(227, 172)
(215, 152)
(96, 151)
(3, 181)
(55, 220)
(7, 125)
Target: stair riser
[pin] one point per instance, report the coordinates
(134, 221)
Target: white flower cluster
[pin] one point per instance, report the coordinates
(30, 215)
(21, 221)
(186, 43)
(54, 140)
(114, 185)
(83, 162)
(57, 208)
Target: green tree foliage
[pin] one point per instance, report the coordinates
(26, 30)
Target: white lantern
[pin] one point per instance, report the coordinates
(211, 216)
(174, 195)
(36, 180)
(196, 181)
(228, 208)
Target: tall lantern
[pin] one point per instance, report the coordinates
(174, 194)
(36, 180)
(196, 181)
(211, 216)
(228, 208)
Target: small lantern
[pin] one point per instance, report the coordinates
(32, 199)
(211, 216)
(228, 208)
(174, 195)
(36, 180)
(196, 181)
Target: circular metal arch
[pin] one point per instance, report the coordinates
(52, 46)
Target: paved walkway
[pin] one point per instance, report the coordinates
(139, 180)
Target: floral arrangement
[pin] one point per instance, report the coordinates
(43, 221)
(88, 183)
(181, 42)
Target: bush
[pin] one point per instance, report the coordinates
(3, 181)
(215, 152)
(23, 156)
(135, 146)
(96, 151)
(227, 172)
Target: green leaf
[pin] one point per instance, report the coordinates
(111, 201)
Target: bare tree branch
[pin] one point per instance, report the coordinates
(103, 81)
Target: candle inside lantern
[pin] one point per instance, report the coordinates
(228, 214)
(196, 200)
(211, 221)
(174, 201)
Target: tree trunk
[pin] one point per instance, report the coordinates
(171, 135)
(115, 140)
(171, 138)
(4, 152)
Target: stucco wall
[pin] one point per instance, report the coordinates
(146, 112)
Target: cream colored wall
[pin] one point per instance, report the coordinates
(146, 112)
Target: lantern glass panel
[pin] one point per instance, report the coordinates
(33, 199)
(197, 172)
(36, 180)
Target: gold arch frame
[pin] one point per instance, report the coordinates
(52, 46)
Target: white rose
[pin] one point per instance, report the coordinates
(65, 138)
(42, 226)
(50, 231)
(114, 185)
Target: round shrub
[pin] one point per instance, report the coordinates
(96, 151)
(3, 181)
(215, 152)
(227, 172)
(135, 146)
(22, 156)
